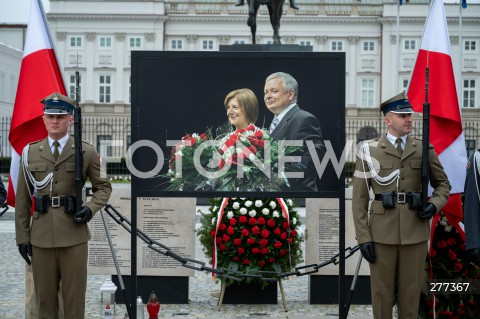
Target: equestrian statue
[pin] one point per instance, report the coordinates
(275, 10)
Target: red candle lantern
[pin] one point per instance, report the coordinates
(153, 306)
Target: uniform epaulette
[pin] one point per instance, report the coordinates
(87, 142)
(430, 145)
(35, 142)
(371, 140)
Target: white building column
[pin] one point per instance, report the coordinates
(352, 68)
(455, 48)
(289, 39)
(192, 39)
(149, 41)
(60, 46)
(223, 39)
(120, 79)
(90, 82)
(321, 42)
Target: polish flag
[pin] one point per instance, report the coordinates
(39, 77)
(446, 133)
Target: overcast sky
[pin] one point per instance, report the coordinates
(17, 11)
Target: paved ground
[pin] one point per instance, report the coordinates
(202, 304)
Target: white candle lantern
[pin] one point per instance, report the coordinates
(107, 295)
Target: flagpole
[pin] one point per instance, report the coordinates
(460, 60)
(52, 43)
(398, 45)
(421, 40)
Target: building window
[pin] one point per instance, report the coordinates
(72, 84)
(410, 45)
(368, 93)
(240, 42)
(176, 45)
(471, 147)
(368, 46)
(75, 42)
(104, 145)
(207, 45)
(305, 43)
(337, 45)
(468, 93)
(105, 42)
(404, 85)
(135, 43)
(105, 85)
(470, 45)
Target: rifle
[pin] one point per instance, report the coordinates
(77, 135)
(425, 143)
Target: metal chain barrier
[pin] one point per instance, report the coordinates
(5, 208)
(222, 272)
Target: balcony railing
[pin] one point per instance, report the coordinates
(306, 7)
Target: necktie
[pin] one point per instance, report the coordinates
(399, 146)
(273, 125)
(56, 153)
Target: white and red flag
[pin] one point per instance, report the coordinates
(39, 76)
(446, 133)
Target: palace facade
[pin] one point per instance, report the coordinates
(97, 38)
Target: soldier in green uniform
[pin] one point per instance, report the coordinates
(391, 227)
(55, 236)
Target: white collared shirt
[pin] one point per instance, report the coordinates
(62, 142)
(285, 111)
(393, 140)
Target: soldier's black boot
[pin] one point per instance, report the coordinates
(240, 3)
(293, 5)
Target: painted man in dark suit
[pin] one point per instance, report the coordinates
(291, 123)
(393, 229)
(56, 236)
(471, 207)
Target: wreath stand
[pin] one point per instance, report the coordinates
(222, 293)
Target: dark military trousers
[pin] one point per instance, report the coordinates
(404, 263)
(67, 265)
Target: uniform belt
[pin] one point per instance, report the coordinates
(54, 201)
(57, 201)
(401, 198)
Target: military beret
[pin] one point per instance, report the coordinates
(397, 104)
(57, 103)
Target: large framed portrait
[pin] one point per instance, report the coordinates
(185, 144)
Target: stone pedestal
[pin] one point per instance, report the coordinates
(318, 294)
(265, 48)
(169, 290)
(251, 293)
